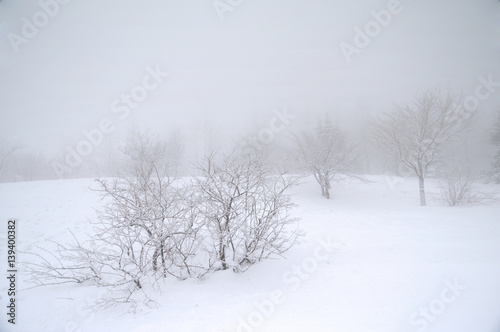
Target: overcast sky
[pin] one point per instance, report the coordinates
(263, 55)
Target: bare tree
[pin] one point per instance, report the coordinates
(30, 166)
(7, 150)
(458, 182)
(415, 132)
(146, 231)
(153, 226)
(151, 212)
(325, 152)
(246, 210)
(175, 150)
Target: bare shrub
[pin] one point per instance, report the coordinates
(152, 226)
(458, 187)
(146, 231)
(246, 210)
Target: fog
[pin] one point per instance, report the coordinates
(230, 67)
(259, 165)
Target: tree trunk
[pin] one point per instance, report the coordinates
(422, 190)
(223, 258)
(163, 262)
(321, 182)
(326, 178)
(155, 260)
(222, 255)
(327, 193)
(421, 183)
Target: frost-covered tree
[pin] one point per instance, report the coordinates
(151, 226)
(246, 209)
(495, 164)
(324, 151)
(7, 150)
(414, 132)
(145, 231)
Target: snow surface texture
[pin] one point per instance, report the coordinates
(372, 260)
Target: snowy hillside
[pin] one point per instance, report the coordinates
(371, 260)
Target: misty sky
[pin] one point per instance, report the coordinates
(263, 55)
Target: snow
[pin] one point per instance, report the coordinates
(371, 260)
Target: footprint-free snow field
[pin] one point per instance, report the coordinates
(371, 259)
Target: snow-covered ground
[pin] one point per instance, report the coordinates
(371, 260)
